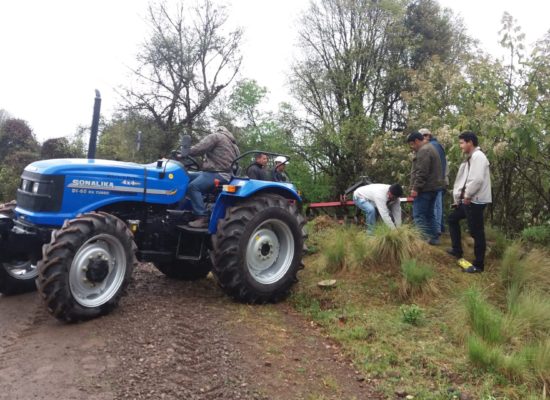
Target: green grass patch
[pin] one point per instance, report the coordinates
(411, 314)
(484, 319)
(462, 331)
(416, 279)
(538, 235)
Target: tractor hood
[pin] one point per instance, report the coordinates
(67, 187)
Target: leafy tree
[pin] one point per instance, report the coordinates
(59, 148)
(506, 103)
(355, 67)
(18, 147)
(184, 65)
(132, 138)
(4, 115)
(16, 135)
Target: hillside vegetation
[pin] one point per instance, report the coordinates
(414, 324)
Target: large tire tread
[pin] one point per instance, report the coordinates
(57, 256)
(227, 258)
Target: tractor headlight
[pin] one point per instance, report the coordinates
(26, 185)
(35, 187)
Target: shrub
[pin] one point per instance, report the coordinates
(539, 235)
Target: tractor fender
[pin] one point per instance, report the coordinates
(246, 189)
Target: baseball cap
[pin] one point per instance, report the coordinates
(280, 160)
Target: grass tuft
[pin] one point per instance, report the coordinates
(391, 246)
(416, 279)
(344, 248)
(529, 315)
(483, 355)
(521, 269)
(540, 361)
(335, 252)
(497, 242)
(484, 319)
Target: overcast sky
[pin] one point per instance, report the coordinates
(55, 53)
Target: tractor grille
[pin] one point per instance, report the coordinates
(39, 192)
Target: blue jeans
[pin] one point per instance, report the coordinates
(201, 183)
(370, 212)
(438, 212)
(424, 215)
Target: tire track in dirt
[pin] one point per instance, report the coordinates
(169, 340)
(18, 316)
(42, 358)
(171, 344)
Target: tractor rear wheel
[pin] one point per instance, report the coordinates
(16, 276)
(86, 267)
(258, 248)
(183, 270)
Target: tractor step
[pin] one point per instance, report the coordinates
(189, 229)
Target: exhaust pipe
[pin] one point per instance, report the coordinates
(95, 126)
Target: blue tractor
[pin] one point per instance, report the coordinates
(80, 226)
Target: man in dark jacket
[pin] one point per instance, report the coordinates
(219, 150)
(438, 210)
(258, 170)
(426, 181)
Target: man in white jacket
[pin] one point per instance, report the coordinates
(381, 197)
(471, 194)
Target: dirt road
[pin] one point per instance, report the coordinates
(170, 340)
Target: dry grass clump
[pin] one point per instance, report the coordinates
(349, 248)
(344, 248)
(322, 222)
(392, 246)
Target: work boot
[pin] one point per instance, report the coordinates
(200, 222)
(473, 270)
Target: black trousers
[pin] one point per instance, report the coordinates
(474, 216)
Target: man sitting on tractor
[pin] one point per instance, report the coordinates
(258, 169)
(279, 174)
(219, 149)
(383, 197)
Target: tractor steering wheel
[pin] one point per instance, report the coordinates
(188, 162)
(191, 163)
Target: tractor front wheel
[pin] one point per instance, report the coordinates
(86, 267)
(258, 248)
